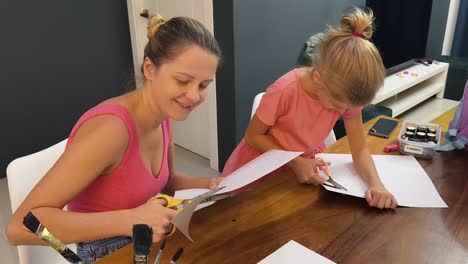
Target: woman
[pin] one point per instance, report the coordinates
(120, 153)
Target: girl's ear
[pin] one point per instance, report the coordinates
(148, 69)
(316, 76)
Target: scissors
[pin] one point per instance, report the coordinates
(330, 182)
(179, 204)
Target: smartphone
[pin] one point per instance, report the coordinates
(383, 127)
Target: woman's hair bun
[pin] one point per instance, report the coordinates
(154, 22)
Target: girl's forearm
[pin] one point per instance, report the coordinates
(262, 143)
(364, 164)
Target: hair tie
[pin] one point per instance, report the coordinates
(357, 34)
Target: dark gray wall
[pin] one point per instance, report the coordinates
(435, 38)
(225, 83)
(268, 36)
(58, 58)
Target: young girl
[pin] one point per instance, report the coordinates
(299, 110)
(120, 153)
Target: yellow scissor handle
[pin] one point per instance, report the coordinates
(171, 203)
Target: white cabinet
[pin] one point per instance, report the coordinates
(409, 87)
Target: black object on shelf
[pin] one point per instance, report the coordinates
(405, 65)
(400, 67)
(426, 61)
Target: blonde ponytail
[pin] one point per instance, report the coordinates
(348, 62)
(358, 22)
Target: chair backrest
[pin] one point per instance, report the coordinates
(328, 141)
(22, 175)
(256, 103)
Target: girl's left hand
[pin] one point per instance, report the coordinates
(213, 182)
(378, 196)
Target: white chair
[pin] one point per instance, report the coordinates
(328, 141)
(22, 175)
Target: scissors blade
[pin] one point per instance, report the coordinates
(335, 184)
(215, 197)
(182, 219)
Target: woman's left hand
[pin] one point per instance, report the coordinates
(378, 196)
(213, 182)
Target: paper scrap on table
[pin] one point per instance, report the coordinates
(293, 252)
(182, 219)
(401, 175)
(250, 172)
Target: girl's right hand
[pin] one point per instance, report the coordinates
(156, 215)
(307, 170)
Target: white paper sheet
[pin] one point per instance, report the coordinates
(189, 193)
(401, 175)
(250, 172)
(257, 168)
(293, 252)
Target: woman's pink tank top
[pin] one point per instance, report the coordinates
(131, 183)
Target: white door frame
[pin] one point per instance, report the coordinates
(136, 22)
(450, 27)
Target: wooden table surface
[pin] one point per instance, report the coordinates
(248, 227)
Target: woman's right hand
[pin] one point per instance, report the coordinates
(156, 215)
(307, 170)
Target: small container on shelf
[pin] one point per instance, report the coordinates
(422, 129)
(419, 139)
(421, 136)
(411, 129)
(431, 137)
(409, 134)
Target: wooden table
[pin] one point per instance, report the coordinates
(247, 228)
